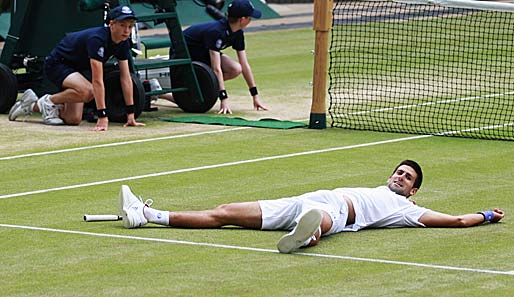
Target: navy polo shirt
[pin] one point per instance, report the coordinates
(215, 35)
(76, 48)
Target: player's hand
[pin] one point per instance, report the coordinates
(131, 121)
(498, 215)
(102, 124)
(224, 107)
(257, 105)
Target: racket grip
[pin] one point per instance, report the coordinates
(101, 218)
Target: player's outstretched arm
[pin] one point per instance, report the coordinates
(442, 220)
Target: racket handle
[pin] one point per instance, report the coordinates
(101, 218)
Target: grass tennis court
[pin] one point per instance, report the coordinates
(47, 250)
(431, 68)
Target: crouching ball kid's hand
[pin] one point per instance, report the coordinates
(131, 121)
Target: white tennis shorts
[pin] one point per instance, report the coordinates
(284, 213)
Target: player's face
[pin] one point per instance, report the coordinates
(121, 30)
(402, 181)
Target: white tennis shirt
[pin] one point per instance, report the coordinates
(381, 208)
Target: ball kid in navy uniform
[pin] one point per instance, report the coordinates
(76, 53)
(206, 41)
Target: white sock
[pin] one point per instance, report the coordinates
(157, 216)
(40, 103)
(313, 237)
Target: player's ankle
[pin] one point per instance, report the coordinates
(157, 216)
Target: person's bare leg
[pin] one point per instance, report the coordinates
(77, 90)
(72, 113)
(231, 68)
(326, 224)
(244, 214)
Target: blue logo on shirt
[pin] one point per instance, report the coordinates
(101, 52)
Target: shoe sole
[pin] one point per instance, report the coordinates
(11, 111)
(51, 123)
(306, 227)
(121, 202)
(18, 103)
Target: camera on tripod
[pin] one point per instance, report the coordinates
(213, 8)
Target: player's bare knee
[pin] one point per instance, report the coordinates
(237, 70)
(72, 120)
(86, 94)
(233, 72)
(326, 223)
(222, 212)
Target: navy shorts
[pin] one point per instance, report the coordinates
(200, 55)
(56, 71)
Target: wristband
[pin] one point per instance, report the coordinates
(488, 215)
(253, 91)
(101, 113)
(130, 109)
(223, 95)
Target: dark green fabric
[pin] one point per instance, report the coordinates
(151, 42)
(5, 23)
(219, 120)
(189, 13)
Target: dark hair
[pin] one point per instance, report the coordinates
(416, 167)
(232, 20)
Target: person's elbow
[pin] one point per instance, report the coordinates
(441, 220)
(461, 222)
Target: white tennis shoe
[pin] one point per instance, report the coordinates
(131, 208)
(23, 107)
(49, 111)
(307, 226)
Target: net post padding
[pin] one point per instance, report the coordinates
(322, 26)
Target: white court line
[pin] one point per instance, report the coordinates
(119, 143)
(242, 162)
(424, 104)
(214, 166)
(474, 129)
(224, 246)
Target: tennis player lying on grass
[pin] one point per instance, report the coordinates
(314, 214)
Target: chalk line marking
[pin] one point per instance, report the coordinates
(123, 179)
(120, 143)
(233, 247)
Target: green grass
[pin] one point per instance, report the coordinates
(448, 72)
(279, 64)
(461, 176)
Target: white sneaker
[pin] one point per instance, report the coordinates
(49, 111)
(307, 226)
(23, 107)
(154, 86)
(131, 208)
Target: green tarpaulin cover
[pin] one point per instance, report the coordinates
(219, 120)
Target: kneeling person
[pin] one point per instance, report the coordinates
(81, 51)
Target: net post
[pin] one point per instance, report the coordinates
(322, 26)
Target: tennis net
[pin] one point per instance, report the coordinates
(444, 68)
